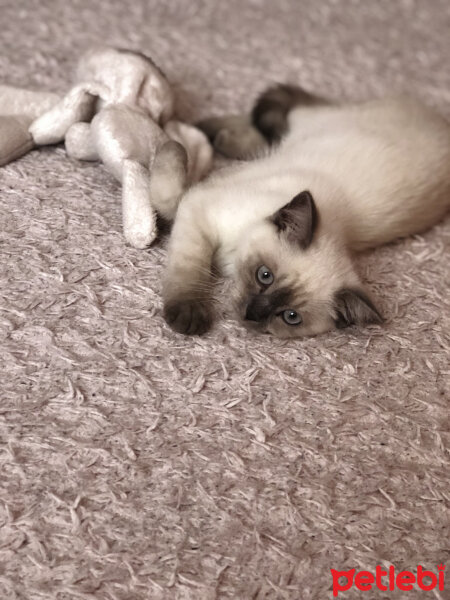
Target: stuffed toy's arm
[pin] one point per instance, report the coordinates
(78, 105)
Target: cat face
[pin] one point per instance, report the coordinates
(294, 280)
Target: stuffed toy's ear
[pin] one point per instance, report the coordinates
(354, 307)
(297, 221)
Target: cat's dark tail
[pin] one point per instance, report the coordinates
(271, 110)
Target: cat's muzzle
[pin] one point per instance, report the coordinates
(259, 308)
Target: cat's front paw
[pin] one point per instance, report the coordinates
(189, 317)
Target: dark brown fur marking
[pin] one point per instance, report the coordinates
(262, 306)
(189, 317)
(298, 220)
(271, 110)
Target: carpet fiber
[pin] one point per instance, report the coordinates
(136, 464)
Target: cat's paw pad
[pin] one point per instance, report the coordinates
(189, 317)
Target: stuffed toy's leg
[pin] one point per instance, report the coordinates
(126, 140)
(199, 150)
(139, 218)
(168, 180)
(124, 133)
(80, 143)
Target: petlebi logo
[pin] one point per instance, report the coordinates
(388, 580)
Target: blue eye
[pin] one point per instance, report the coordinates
(264, 275)
(291, 317)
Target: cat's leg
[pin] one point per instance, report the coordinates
(234, 136)
(271, 110)
(188, 284)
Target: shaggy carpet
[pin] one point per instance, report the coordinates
(136, 464)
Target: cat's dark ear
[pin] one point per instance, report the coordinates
(354, 307)
(297, 221)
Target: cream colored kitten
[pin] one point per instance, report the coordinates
(284, 226)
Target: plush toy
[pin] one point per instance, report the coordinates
(119, 112)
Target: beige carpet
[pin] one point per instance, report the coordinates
(139, 465)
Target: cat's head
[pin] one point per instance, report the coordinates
(294, 279)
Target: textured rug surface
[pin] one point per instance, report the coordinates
(136, 464)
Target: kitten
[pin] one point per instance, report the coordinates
(331, 180)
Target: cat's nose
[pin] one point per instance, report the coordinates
(259, 308)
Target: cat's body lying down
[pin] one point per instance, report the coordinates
(342, 179)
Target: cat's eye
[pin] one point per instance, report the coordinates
(291, 317)
(264, 275)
